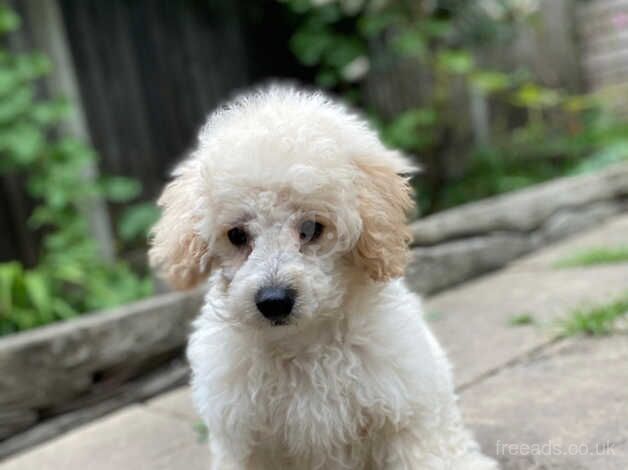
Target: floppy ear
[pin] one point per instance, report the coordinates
(178, 252)
(384, 199)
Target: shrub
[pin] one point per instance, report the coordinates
(71, 277)
(351, 43)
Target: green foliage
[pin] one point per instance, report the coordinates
(528, 155)
(9, 20)
(490, 82)
(71, 277)
(412, 130)
(595, 256)
(533, 96)
(136, 221)
(522, 319)
(557, 133)
(202, 432)
(120, 189)
(319, 43)
(599, 320)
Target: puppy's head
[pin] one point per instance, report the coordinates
(289, 201)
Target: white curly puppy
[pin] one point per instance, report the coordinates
(309, 353)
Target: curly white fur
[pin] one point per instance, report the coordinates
(354, 379)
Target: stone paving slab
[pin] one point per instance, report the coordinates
(473, 321)
(177, 403)
(134, 438)
(570, 399)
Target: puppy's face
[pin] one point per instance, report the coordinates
(280, 255)
(287, 201)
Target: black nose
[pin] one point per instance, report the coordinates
(275, 303)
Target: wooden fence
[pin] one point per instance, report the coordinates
(603, 26)
(148, 73)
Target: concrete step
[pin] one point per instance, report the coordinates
(135, 438)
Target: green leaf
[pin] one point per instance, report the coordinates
(531, 95)
(120, 188)
(57, 197)
(612, 152)
(9, 273)
(24, 318)
(310, 45)
(37, 291)
(438, 28)
(327, 14)
(50, 112)
(32, 66)
(327, 79)
(70, 272)
(344, 51)
(412, 130)
(410, 42)
(22, 143)
(41, 216)
(202, 432)
(9, 21)
(136, 220)
(16, 105)
(373, 24)
(490, 82)
(299, 6)
(9, 80)
(62, 309)
(455, 61)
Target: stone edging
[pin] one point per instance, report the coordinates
(57, 369)
(464, 242)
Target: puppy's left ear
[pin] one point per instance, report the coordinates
(384, 200)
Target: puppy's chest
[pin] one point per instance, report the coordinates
(322, 400)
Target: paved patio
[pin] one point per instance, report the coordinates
(534, 401)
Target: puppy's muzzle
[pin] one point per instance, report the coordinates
(275, 303)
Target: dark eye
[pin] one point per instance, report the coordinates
(238, 236)
(310, 231)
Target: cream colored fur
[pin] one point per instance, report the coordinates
(355, 380)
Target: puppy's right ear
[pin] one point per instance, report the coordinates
(385, 198)
(178, 251)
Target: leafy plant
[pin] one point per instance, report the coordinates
(352, 42)
(522, 319)
(595, 256)
(202, 432)
(136, 221)
(598, 320)
(71, 276)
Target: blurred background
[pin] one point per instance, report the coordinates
(98, 100)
